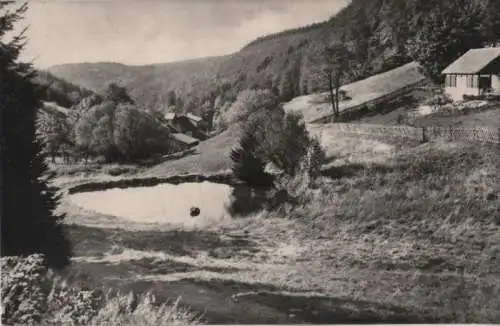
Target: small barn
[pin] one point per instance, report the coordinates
(474, 73)
(188, 124)
(195, 120)
(182, 141)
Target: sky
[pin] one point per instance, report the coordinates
(151, 31)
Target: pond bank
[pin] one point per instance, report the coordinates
(223, 178)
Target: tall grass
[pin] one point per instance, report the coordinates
(31, 294)
(429, 211)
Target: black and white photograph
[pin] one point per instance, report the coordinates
(170, 162)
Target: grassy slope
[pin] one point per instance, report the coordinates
(430, 210)
(403, 232)
(211, 156)
(405, 105)
(402, 228)
(367, 90)
(490, 119)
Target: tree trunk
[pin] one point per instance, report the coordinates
(337, 91)
(337, 97)
(332, 99)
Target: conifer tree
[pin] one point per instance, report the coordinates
(28, 202)
(248, 167)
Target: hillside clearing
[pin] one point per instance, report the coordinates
(212, 156)
(368, 90)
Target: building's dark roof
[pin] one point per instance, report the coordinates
(473, 61)
(183, 138)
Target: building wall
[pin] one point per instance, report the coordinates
(495, 82)
(493, 69)
(461, 89)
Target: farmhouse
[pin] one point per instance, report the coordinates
(188, 124)
(474, 73)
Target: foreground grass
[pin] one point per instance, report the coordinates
(32, 295)
(421, 230)
(389, 233)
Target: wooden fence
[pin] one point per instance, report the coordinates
(474, 135)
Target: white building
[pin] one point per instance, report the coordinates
(477, 71)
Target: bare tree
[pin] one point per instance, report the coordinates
(333, 61)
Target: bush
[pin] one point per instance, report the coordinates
(274, 139)
(282, 142)
(486, 96)
(247, 166)
(248, 102)
(32, 295)
(73, 169)
(298, 185)
(116, 170)
(286, 143)
(438, 100)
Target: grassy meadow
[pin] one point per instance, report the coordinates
(391, 233)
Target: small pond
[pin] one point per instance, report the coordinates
(164, 203)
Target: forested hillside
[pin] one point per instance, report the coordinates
(53, 89)
(378, 35)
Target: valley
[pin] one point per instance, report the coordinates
(331, 173)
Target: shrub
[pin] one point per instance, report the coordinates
(248, 102)
(116, 170)
(73, 169)
(247, 166)
(285, 142)
(314, 159)
(298, 185)
(32, 295)
(272, 138)
(438, 100)
(486, 96)
(282, 142)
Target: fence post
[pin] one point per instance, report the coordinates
(424, 135)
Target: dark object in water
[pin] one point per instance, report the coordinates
(194, 211)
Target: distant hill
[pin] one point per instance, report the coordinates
(59, 91)
(277, 61)
(377, 31)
